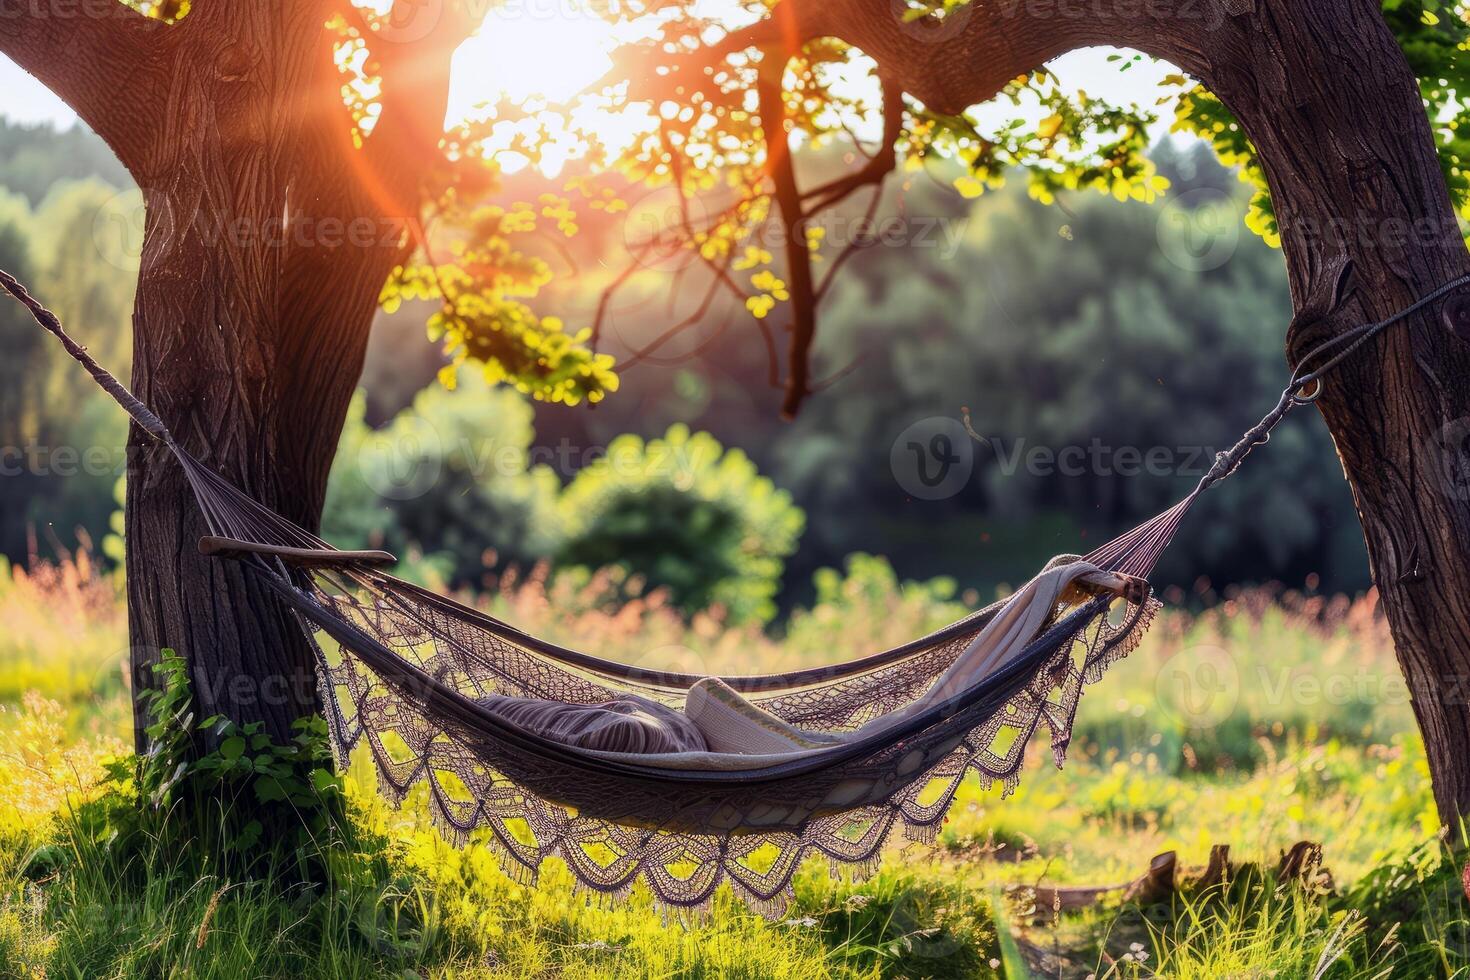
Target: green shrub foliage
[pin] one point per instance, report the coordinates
(449, 477)
(683, 513)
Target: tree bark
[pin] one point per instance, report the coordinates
(98, 58)
(271, 226)
(263, 258)
(1368, 227)
(253, 373)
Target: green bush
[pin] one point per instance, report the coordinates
(684, 514)
(64, 439)
(448, 477)
(868, 603)
(240, 860)
(449, 480)
(246, 802)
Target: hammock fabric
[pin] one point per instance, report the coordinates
(409, 668)
(428, 685)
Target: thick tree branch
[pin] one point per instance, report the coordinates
(102, 59)
(413, 46)
(782, 171)
(949, 64)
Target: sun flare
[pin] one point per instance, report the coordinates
(528, 48)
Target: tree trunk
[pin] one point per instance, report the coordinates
(272, 224)
(262, 264)
(1367, 225)
(213, 357)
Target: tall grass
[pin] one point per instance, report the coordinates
(1268, 718)
(65, 636)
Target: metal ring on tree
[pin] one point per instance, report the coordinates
(1308, 392)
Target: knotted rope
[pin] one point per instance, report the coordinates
(141, 414)
(1306, 377)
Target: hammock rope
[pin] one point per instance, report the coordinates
(1306, 384)
(1138, 551)
(421, 683)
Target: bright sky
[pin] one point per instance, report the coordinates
(554, 49)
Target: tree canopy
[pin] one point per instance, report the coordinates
(728, 99)
(728, 95)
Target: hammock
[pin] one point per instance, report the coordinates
(409, 673)
(435, 691)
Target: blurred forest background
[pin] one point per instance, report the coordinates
(1118, 331)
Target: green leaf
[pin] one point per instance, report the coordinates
(269, 790)
(248, 836)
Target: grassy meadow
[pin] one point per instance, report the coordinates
(1267, 719)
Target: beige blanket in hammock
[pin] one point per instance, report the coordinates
(721, 730)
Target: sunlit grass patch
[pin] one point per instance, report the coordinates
(44, 768)
(1099, 824)
(65, 636)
